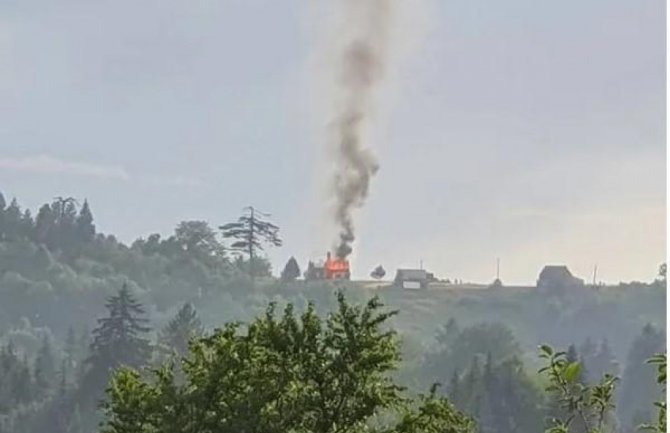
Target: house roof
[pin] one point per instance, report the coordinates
(412, 274)
(555, 271)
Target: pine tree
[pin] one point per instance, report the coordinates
(454, 389)
(249, 233)
(603, 361)
(118, 340)
(75, 424)
(27, 226)
(85, 228)
(65, 212)
(3, 203)
(45, 226)
(291, 271)
(45, 366)
(181, 329)
(12, 221)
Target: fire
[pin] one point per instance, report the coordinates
(336, 268)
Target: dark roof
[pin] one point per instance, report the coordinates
(412, 274)
(555, 271)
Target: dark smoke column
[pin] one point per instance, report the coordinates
(361, 68)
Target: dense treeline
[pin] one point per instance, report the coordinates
(76, 304)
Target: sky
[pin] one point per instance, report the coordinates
(529, 131)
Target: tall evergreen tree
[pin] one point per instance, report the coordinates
(12, 221)
(250, 233)
(45, 226)
(45, 365)
(85, 228)
(27, 226)
(638, 383)
(291, 271)
(118, 340)
(3, 203)
(181, 329)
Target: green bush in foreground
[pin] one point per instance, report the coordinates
(283, 374)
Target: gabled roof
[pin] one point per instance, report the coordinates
(412, 274)
(555, 271)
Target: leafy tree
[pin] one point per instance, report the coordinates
(638, 384)
(249, 234)
(457, 348)
(291, 271)
(182, 328)
(261, 266)
(662, 271)
(378, 273)
(661, 362)
(198, 238)
(588, 407)
(285, 374)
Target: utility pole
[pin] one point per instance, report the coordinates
(595, 273)
(498, 268)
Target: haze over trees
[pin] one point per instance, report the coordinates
(77, 305)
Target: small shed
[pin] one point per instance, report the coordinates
(413, 279)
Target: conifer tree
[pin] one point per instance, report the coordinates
(85, 228)
(44, 225)
(181, 329)
(45, 366)
(118, 340)
(249, 234)
(291, 271)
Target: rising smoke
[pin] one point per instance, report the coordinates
(362, 60)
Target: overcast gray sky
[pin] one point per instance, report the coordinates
(526, 130)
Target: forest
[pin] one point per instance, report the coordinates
(197, 332)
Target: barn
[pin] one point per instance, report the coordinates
(413, 279)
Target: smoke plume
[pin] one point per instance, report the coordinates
(361, 65)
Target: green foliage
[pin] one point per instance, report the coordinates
(456, 348)
(250, 233)
(661, 362)
(433, 414)
(186, 325)
(587, 406)
(117, 341)
(285, 374)
(56, 270)
(639, 389)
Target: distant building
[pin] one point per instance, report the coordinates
(413, 279)
(331, 269)
(557, 279)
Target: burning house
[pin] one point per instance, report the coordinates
(331, 269)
